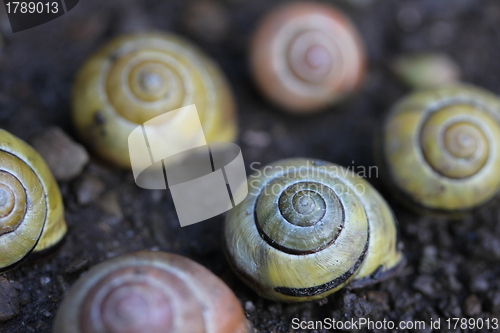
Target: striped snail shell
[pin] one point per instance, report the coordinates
(306, 56)
(307, 229)
(31, 208)
(154, 292)
(135, 78)
(440, 148)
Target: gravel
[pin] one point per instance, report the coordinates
(452, 266)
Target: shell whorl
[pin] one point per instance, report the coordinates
(303, 207)
(308, 228)
(454, 140)
(150, 292)
(306, 56)
(440, 147)
(31, 210)
(137, 77)
(139, 303)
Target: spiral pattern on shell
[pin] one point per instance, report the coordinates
(308, 228)
(31, 210)
(306, 56)
(150, 292)
(137, 77)
(441, 148)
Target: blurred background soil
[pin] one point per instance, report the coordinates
(452, 268)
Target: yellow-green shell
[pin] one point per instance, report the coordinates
(136, 77)
(31, 208)
(441, 150)
(307, 228)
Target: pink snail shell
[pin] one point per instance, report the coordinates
(306, 56)
(150, 292)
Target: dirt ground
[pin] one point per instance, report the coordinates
(452, 268)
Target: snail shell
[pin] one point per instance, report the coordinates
(306, 56)
(440, 148)
(137, 77)
(308, 228)
(150, 292)
(31, 208)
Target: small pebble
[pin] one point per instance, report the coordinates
(40, 325)
(359, 306)
(249, 306)
(110, 204)
(380, 297)
(322, 301)
(494, 301)
(88, 28)
(133, 19)
(409, 18)
(78, 265)
(425, 285)
(275, 308)
(105, 225)
(25, 298)
(207, 20)
(453, 283)
(9, 300)
(63, 285)
(45, 280)
(429, 261)
(472, 306)
(156, 195)
(479, 284)
(88, 189)
(65, 158)
(450, 307)
(441, 33)
(16, 284)
(426, 70)
(257, 139)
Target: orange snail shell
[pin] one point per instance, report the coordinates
(150, 292)
(306, 56)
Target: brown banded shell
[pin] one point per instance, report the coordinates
(306, 56)
(154, 292)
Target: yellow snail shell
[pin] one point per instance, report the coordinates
(306, 56)
(441, 148)
(154, 292)
(307, 229)
(135, 78)
(31, 208)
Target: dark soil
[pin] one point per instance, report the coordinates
(452, 268)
